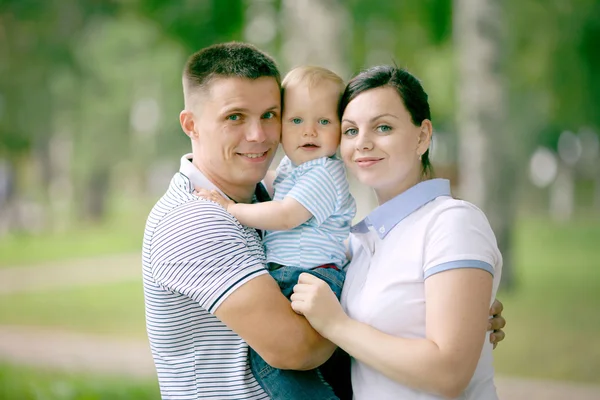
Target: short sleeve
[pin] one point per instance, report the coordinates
(316, 190)
(460, 236)
(199, 251)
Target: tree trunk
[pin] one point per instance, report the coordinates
(314, 32)
(96, 194)
(487, 167)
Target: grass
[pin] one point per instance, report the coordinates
(115, 309)
(121, 232)
(552, 315)
(553, 323)
(19, 383)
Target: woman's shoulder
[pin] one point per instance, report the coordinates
(452, 210)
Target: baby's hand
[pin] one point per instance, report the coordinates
(215, 196)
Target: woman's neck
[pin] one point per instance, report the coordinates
(386, 194)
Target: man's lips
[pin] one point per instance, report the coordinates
(254, 156)
(367, 161)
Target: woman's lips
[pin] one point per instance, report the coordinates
(365, 162)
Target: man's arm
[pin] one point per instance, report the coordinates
(221, 271)
(263, 317)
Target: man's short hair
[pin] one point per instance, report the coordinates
(232, 59)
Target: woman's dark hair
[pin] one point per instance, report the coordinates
(408, 87)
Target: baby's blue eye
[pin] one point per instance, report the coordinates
(324, 121)
(296, 121)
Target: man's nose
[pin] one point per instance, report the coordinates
(256, 133)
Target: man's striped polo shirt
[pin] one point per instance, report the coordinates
(195, 255)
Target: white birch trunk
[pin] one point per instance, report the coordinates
(487, 162)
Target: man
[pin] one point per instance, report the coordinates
(205, 283)
(208, 295)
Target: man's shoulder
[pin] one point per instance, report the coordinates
(192, 217)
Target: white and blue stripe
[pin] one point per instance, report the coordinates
(322, 188)
(195, 254)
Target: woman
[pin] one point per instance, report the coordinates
(425, 267)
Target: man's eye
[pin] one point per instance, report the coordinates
(324, 121)
(268, 115)
(296, 121)
(234, 117)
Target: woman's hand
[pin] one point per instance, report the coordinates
(314, 299)
(215, 196)
(496, 323)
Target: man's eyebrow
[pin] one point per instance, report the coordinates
(234, 110)
(246, 110)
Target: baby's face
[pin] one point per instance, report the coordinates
(310, 123)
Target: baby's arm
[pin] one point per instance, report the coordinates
(269, 215)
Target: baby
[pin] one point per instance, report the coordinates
(309, 218)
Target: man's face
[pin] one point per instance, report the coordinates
(237, 122)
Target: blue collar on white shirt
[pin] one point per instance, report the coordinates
(385, 217)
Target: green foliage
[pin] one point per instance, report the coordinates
(22, 383)
(110, 309)
(196, 24)
(551, 331)
(120, 232)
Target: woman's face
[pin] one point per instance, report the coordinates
(380, 144)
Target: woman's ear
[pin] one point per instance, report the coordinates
(425, 132)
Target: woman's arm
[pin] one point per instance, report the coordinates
(457, 304)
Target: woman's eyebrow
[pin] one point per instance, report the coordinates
(383, 115)
(350, 122)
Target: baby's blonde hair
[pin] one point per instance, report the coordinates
(312, 76)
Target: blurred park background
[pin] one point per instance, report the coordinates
(90, 94)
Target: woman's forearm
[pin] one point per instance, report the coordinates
(418, 363)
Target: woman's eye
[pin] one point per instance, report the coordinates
(324, 121)
(384, 128)
(268, 115)
(351, 132)
(296, 121)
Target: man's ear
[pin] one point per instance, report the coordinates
(186, 119)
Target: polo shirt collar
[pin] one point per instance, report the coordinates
(385, 217)
(198, 179)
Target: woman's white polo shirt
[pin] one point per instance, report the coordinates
(419, 233)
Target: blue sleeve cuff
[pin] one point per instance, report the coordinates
(459, 264)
